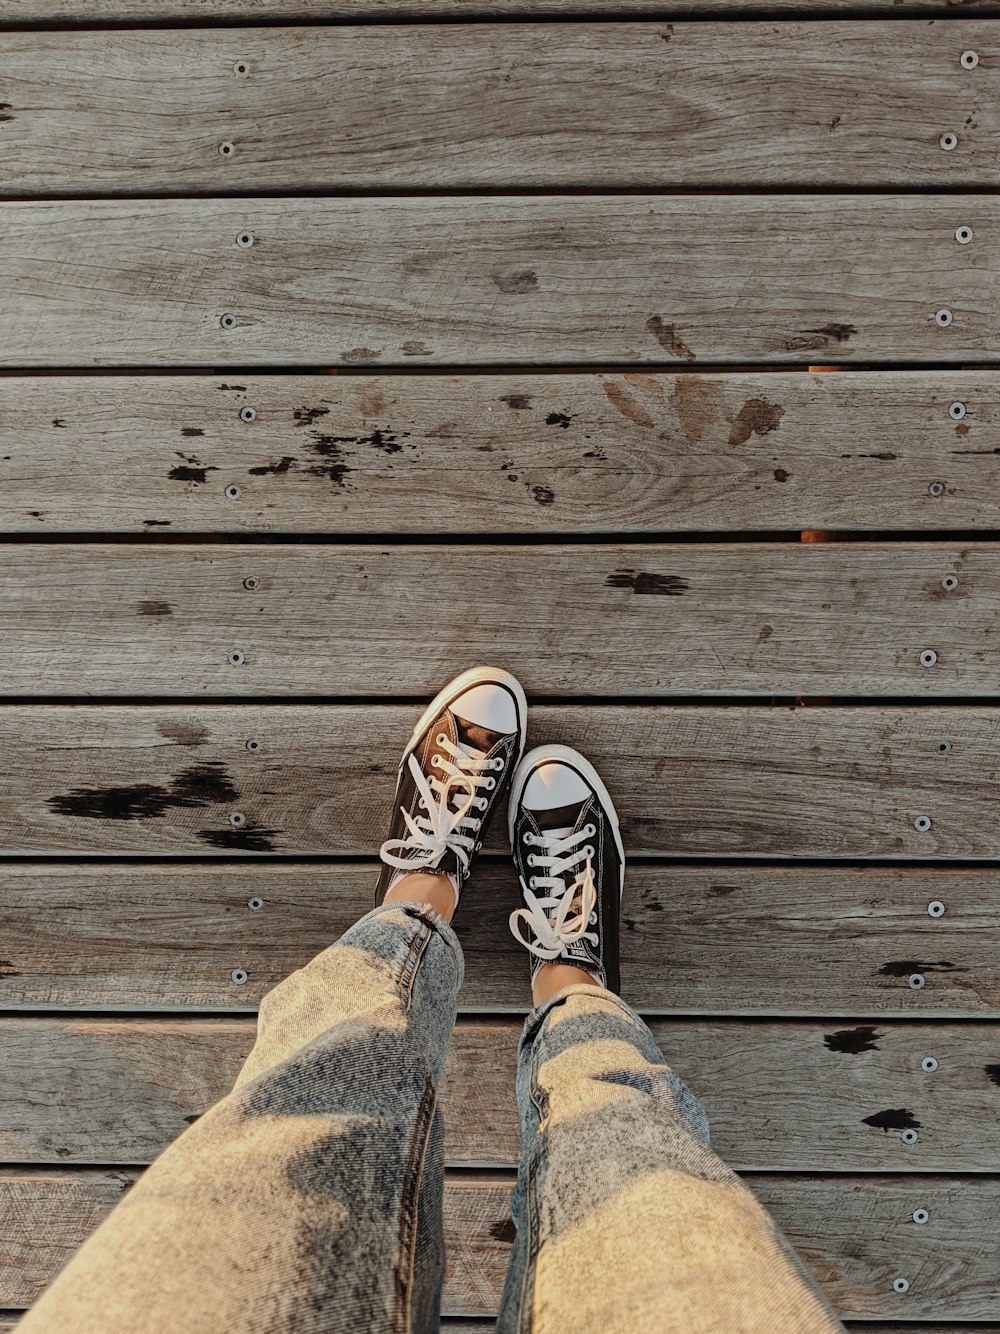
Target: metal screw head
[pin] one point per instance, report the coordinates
(948, 141)
(227, 149)
(915, 981)
(935, 909)
(920, 1215)
(944, 746)
(929, 1065)
(237, 818)
(248, 414)
(255, 905)
(928, 658)
(228, 320)
(943, 317)
(245, 240)
(950, 581)
(253, 744)
(956, 411)
(969, 60)
(900, 1285)
(239, 976)
(251, 582)
(922, 823)
(963, 235)
(236, 658)
(936, 489)
(909, 1137)
(232, 493)
(241, 67)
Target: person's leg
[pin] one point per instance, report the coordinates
(310, 1199)
(626, 1220)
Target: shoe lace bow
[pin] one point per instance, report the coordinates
(559, 916)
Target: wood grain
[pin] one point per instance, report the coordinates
(715, 781)
(855, 1233)
(660, 620)
(711, 939)
(515, 453)
(668, 279)
(790, 1096)
(498, 106)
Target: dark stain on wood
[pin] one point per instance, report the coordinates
(992, 1074)
(817, 339)
(975, 451)
(695, 400)
(756, 417)
(154, 608)
(886, 456)
(417, 350)
(668, 338)
(186, 472)
(666, 33)
(519, 402)
(157, 523)
(7, 969)
(834, 123)
(780, 475)
(515, 284)
(250, 837)
(278, 469)
(893, 1118)
(853, 1040)
(307, 416)
(241, 388)
(504, 1231)
(362, 354)
(544, 495)
(559, 419)
(184, 734)
(6, 111)
(904, 967)
(722, 891)
(58, 421)
(335, 468)
(203, 784)
(657, 585)
(626, 404)
(192, 430)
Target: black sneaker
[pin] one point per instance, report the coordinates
(453, 774)
(569, 855)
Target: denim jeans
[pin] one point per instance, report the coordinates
(310, 1198)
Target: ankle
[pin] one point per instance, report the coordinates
(433, 887)
(554, 976)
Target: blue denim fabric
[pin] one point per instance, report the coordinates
(310, 1199)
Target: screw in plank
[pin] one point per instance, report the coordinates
(241, 68)
(909, 1137)
(928, 658)
(943, 317)
(920, 1215)
(236, 658)
(949, 582)
(248, 414)
(935, 909)
(246, 239)
(936, 489)
(969, 60)
(915, 981)
(900, 1285)
(228, 320)
(956, 412)
(239, 976)
(963, 235)
(253, 744)
(922, 823)
(237, 818)
(948, 141)
(944, 747)
(251, 582)
(227, 149)
(929, 1065)
(232, 493)
(255, 905)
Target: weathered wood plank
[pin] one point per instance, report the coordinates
(486, 1324)
(696, 939)
(791, 1096)
(855, 1233)
(493, 280)
(550, 105)
(159, 11)
(660, 620)
(716, 781)
(489, 453)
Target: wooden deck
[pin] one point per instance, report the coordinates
(344, 343)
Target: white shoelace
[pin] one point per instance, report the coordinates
(440, 826)
(550, 915)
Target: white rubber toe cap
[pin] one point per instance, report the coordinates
(487, 706)
(553, 785)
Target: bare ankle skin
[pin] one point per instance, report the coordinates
(552, 977)
(431, 887)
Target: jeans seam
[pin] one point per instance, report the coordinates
(408, 972)
(531, 1202)
(410, 1205)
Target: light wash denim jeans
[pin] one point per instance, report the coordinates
(310, 1198)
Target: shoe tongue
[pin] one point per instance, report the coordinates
(470, 736)
(559, 821)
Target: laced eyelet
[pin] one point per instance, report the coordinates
(529, 839)
(590, 830)
(436, 761)
(489, 784)
(481, 803)
(497, 762)
(530, 859)
(531, 882)
(440, 739)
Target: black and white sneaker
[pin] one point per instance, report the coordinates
(569, 856)
(454, 772)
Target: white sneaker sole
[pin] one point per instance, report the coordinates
(475, 676)
(566, 754)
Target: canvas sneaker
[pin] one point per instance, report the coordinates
(454, 772)
(571, 862)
